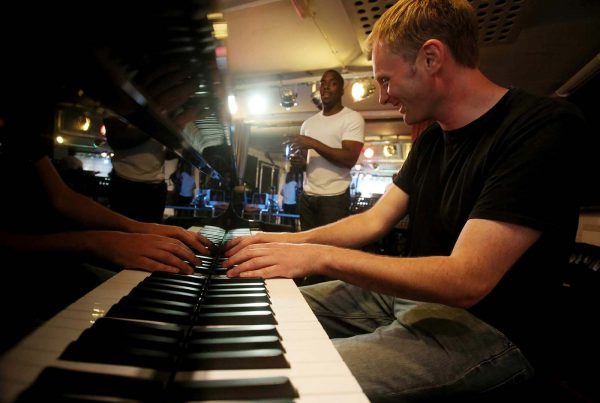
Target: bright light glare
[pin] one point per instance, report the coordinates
(369, 152)
(358, 91)
(257, 104)
(232, 104)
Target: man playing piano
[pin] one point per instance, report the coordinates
(491, 189)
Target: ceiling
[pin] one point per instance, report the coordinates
(537, 45)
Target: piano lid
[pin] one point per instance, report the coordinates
(152, 62)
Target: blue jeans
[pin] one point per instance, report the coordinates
(407, 351)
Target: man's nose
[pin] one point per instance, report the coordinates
(383, 96)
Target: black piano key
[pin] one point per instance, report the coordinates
(233, 331)
(237, 281)
(210, 270)
(114, 325)
(120, 355)
(241, 359)
(57, 384)
(238, 290)
(173, 281)
(220, 298)
(153, 292)
(149, 313)
(234, 284)
(158, 303)
(155, 283)
(278, 388)
(235, 318)
(204, 265)
(185, 277)
(256, 306)
(90, 338)
(235, 343)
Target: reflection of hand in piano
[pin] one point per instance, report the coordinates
(193, 239)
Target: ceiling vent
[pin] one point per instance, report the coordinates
(497, 21)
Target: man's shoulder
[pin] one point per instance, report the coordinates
(351, 112)
(316, 116)
(535, 104)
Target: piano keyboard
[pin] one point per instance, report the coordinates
(124, 339)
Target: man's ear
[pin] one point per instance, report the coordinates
(433, 53)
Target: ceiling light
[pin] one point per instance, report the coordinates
(368, 152)
(257, 104)
(288, 98)
(389, 150)
(219, 30)
(362, 89)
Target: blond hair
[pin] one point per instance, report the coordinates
(409, 23)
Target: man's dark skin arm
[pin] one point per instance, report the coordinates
(345, 156)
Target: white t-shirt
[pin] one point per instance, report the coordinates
(142, 163)
(324, 178)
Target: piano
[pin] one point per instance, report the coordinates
(148, 337)
(249, 340)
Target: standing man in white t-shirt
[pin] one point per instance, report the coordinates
(331, 142)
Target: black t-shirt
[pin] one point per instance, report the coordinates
(519, 163)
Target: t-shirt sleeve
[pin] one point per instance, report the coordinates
(355, 128)
(303, 128)
(404, 178)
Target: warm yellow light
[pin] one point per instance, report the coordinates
(358, 90)
(362, 89)
(389, 150)
(60, 139)
(214, 16)
(220, 30)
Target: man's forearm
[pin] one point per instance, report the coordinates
(345, 156)
(344, 232)
(74, 242)
(93, 215)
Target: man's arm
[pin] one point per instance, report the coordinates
(350, 232)
(484, 252)
(345, 156)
